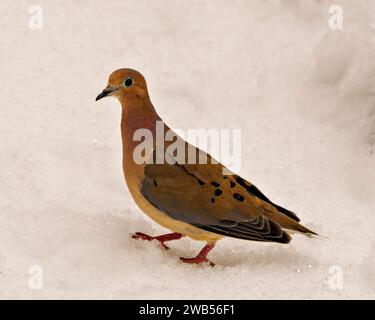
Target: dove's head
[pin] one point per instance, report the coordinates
(125, 85)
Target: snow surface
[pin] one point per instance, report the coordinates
(303, 95)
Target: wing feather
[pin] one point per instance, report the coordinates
(200, 196)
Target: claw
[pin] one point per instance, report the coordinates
(164, 245)
(196, 261)
(140, 235)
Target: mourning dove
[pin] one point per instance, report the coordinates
(191, 199)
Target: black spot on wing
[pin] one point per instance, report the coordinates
(238, 197)
(215, 184)
(218, 192)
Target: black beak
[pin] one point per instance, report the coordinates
(105, 93)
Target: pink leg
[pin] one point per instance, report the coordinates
(202, 256)
(163, 238)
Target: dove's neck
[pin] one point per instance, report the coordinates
(137, 114)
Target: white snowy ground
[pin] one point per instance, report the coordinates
(303, 95)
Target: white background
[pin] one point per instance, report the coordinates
(302, 94)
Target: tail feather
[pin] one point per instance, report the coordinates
(289, 224)
(302, 229)
(310, 234)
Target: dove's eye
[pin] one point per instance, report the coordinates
(128, 82)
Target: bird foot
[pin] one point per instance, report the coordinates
(201, 257)
(163, 238)
(196, 260)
